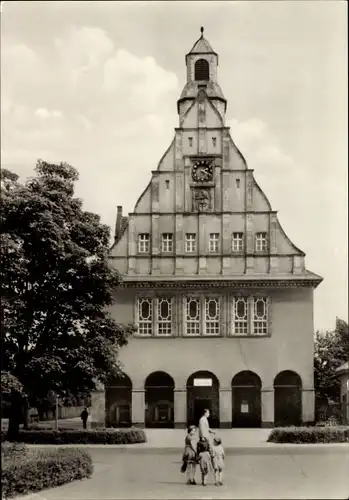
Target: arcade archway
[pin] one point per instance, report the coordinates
(246, 399)
(118, 401)
(202, 393)
(159, 400)
(287, 399)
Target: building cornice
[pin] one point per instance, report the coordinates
(246, 283)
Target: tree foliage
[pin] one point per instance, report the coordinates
(56, 286)
(331, 351)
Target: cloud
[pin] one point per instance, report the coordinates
(45, 113)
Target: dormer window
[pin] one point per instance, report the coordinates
(202, 70)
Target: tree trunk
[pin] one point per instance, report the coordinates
(25, 413)
(15, 416)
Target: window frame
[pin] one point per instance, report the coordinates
(250, 320)
(166, 240)
(236, 239)
(155, 323)
(187, 240)
(216, 241)
(259, 238)
(202, 321)
(141, 241)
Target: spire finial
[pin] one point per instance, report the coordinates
(202, 31)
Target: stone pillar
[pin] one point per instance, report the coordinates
(308, 406)
(97, 411)
(225, 408)
(180, 408)
(267, 396)
(138, 407)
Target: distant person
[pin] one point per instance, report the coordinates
(218, 461)
(190, 454)
(84, 417)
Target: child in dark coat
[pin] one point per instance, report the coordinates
(205, 459)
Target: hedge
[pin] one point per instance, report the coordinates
(42, 469)
(76, 436)
(13, 450)
(329, 434)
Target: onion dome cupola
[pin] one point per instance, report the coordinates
(201, 64)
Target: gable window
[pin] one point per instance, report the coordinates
(261, 242)
(237, 242)
(190, 242)
(145, 316)
(190, 139)
(143, 243)
(214, 141)
(164, 316)
(214, 242)
(167, 242)
(202, 70)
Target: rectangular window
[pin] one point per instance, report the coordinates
(145, 316)
(192, 316)
(143, 243)
(260, 316)
(190, 242)
(212, 316)
(167, 242)
(190, 139)
(261, 242)
(164, 316)
(214, 141)
(240, 316)
(237, 242)
(214, 242)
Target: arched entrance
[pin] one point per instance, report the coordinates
(118, 401)
(202, 393)
(246, 399)
(287, 399)
(159, 400)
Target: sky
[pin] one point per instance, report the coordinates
(95, 84)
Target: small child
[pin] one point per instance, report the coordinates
(190, 454)
(205, 459)
(218, 461)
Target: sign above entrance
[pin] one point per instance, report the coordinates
(202, 382)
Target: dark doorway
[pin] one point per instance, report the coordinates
(287, 399)
(159, 400)
(246, 400)
(118, 401)
(203, 393)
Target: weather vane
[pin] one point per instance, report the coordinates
(202, 30)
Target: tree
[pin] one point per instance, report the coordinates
(56, 286)
(331, 351)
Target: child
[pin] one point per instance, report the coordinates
(189, 455)
(218, 460)
(205, 459)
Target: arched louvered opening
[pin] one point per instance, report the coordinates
(202, 70)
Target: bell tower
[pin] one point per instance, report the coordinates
(202, 63)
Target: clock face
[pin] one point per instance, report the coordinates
(202, 171)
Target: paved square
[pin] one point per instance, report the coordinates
(264, 473)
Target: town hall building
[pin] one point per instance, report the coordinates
(220, 296)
